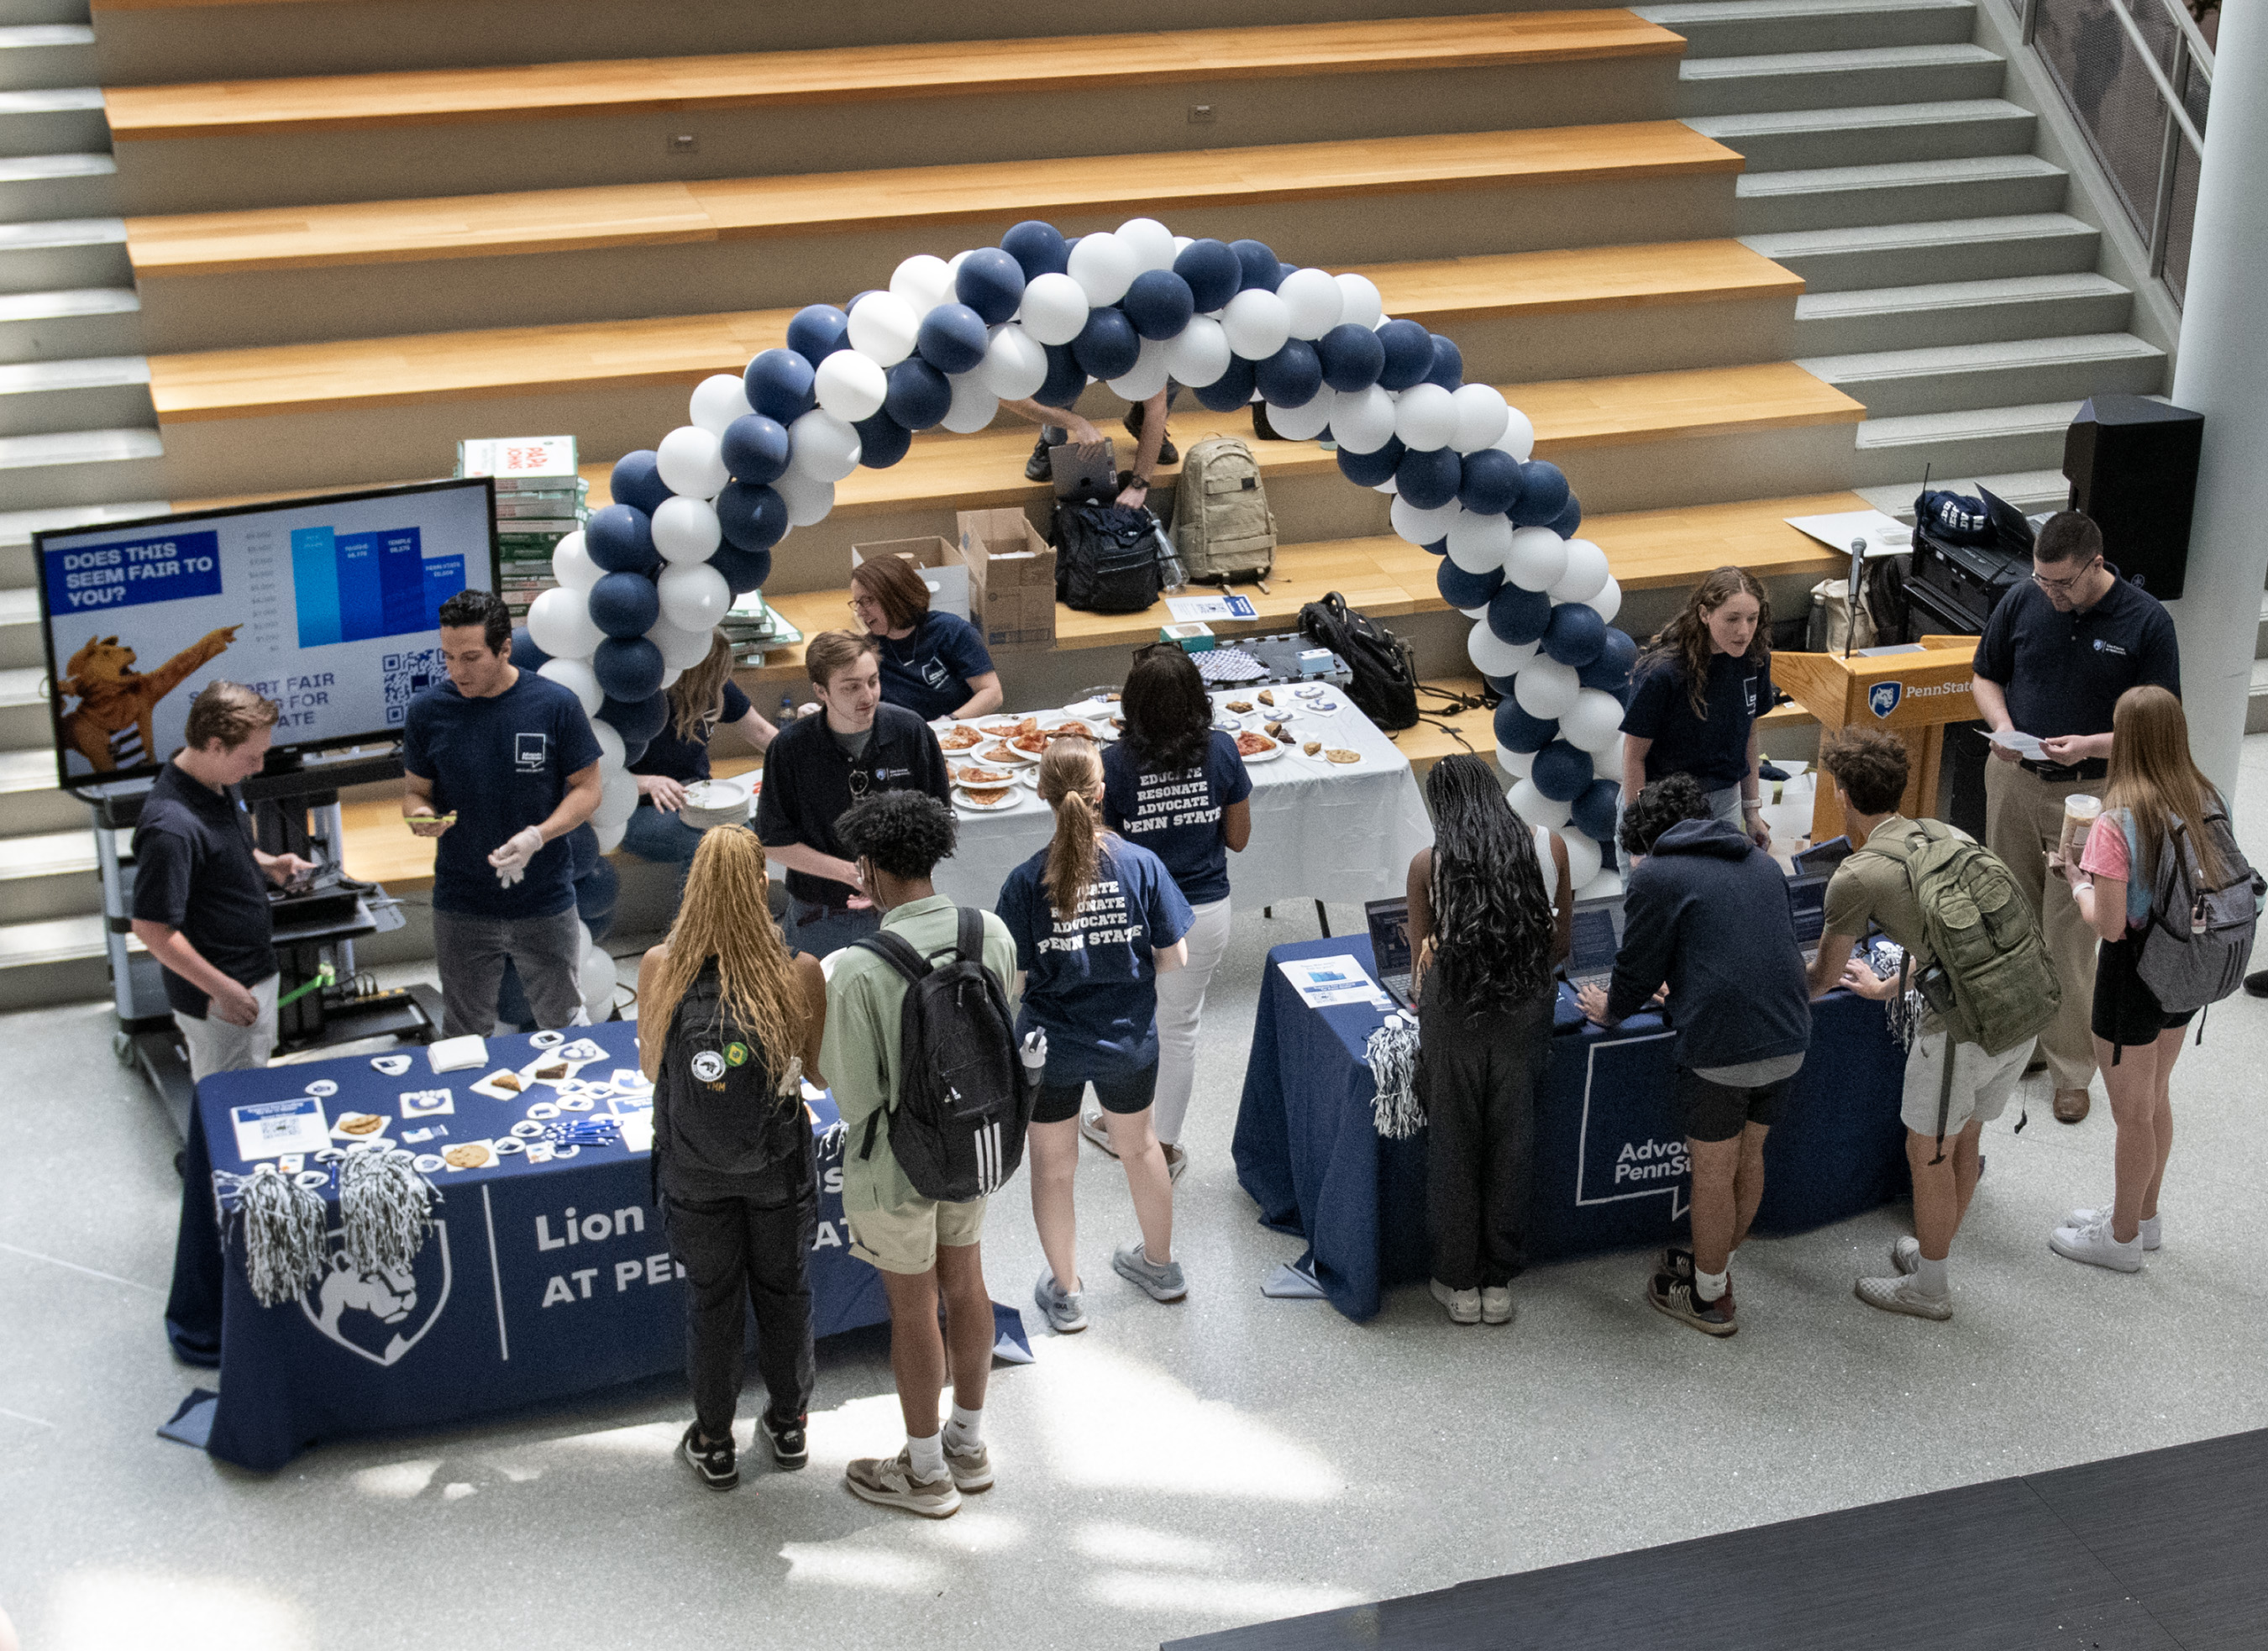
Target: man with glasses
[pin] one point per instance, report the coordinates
(2056, 655)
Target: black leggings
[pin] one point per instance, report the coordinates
(1479, 1080)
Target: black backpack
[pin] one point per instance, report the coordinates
(964, 1097)
(715, 1107)
(1384, 668)
(1106, 557)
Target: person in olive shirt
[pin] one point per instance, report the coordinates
(2056, 655)
(201, 888)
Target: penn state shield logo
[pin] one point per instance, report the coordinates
(1883, 697)
(380, 1315)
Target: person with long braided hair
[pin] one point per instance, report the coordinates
(731, 1021)
(1488, 921)
(1696, 694)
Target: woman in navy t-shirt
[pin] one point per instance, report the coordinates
(934, 664)
(1096, 920)
(1695, 697)
(1176, 786)
(701, 701)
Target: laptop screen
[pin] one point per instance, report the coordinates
(1390, 935)
(1806, 902)
(1594, 943)
(1822, 858)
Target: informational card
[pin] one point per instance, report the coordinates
(2025, 745)
(272, 1128)
(1885, 535)
(1330, 982)
(1223, 606)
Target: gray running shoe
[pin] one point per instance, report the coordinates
(971, 1468)
(1159, 1283)
(1176, 1160)
(1464, 1306)
(889, 1482)
(1905, 1255)
(1064, 1310)
(1903, 1295)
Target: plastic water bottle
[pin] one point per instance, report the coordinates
(787, 707)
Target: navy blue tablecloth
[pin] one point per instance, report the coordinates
(1610, 1166)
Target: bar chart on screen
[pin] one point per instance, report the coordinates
(353, 587)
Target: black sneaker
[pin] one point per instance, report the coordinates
(788, 1450)
(1676, 1262)
(1036, 468)
(714, 1462)
(1168, 453)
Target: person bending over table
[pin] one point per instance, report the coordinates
(1697, 693)
(733, 1166)
(1488, 923)
(934, 664)
(1146, 422)
(702, 700)
(1706, 913)
(201, 888)
(1176, 786)
(819, 766)
(500, 764)
(1096, 920)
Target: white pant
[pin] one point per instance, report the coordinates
(1181, 1005)
(216, 1046)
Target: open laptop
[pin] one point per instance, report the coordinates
(1389, 945)
(1591, 958)
(1806, 903)
(1821, 859)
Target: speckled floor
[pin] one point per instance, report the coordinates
(1171, 1471)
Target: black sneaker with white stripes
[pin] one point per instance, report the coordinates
(789, 1450)
(716, 1464)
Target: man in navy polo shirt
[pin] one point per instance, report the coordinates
(501, 764)
(2056, 655)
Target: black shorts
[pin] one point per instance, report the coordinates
(1059, 1102)
(1719, 1111)
(2126, 1011)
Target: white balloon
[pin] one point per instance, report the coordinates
(1014, 364)
(1362, 421)
(577, 677)
(1301, 423)
(850, 385)
(1199, 354)
(1425, 417)
(559, 622)
(1360, 300)
(924, 280)
(693, 598)
(1147, 377)
(618, 798)
(684, 530)
(1609, 601)
(1478, 543)
(1180, 244)
(717, 400)
(824, 447)
(691, 463)
(1593, 723)
(670, 675)
(1583, 856)
(1256, 323)
(1482, 417)
(1546, 689)
(1104, 266)
(1515, 763)
(954, 262)
(680, 649)
(1312, 301)
(807, 500)
(572, 564)
(1518, 438)
(1480, 612)
(1424, 527)
(883, 327)
(973, 405)
(1150, 242)
(1388, 487)
(1586, 575)
(1491, 655)
(595, 980)
(1519, 653)
(1535, 808)
(1055, 309)
(610, 837)
(612, 754)
(1607, 885)
(1538, 556)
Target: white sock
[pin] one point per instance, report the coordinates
(1930, 1279)
(928, 1454)
(1708, 1287)
(965, 1429)
(2148, 1228)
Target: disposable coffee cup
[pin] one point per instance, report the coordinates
(2079, 813)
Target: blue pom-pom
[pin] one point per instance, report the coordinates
(1519, 616)
(1213, 273)
(919, 396)
(1106, 347)
(628, 667)
(1038, 249)
(1542, 495)
(1448, 368)
(1462, 589)
(1575, 634)
(1568, 521)
(991, 282)
(953, 338)
(1371, 469)
(637, 721)
(756, 449)
(621, 539)
(778, 382)
(1065, 380)
(754, 517)
(744, 570)
(525, 653)
(1517, 730)
(1491, 481)
(817, 331)
(1290, 377)
(1428, 478)
(1351, 356)
(1562, 772)
(637, 483)
(1409, 355)
(625, 605)
(1159, 303)
(1594, 813)
(1232, 390)
(1610, 671)
(882, 440)
(1257, 266)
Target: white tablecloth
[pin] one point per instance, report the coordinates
(1320, 830)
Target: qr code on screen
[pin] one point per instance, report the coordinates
(405, 674)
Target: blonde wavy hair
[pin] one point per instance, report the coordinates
(699, 693)
(727, 915)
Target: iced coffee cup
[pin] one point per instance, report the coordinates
(2079, 813)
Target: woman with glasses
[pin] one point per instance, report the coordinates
(932, 663)
(1695, 697)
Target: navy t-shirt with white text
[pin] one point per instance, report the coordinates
(1715, 749)
(1175, 813)
(928, 673)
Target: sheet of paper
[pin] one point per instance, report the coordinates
(1186, 608)
(272, 1128)
(2025, 745)
(1885, 535)
(1327, 982)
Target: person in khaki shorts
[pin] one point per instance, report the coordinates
(923, 1248)
(2056, 655)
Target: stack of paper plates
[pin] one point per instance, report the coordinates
(715, 802)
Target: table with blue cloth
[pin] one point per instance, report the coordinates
(537, 1281)
(1609, 1158)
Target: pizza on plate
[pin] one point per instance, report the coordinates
(1254, 745)
(985, 798)
(979, 776)
(959, 739)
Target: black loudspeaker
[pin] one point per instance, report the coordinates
(2133, 464)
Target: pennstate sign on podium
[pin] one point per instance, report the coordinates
(1913, 694)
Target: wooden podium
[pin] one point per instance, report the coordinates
(1912, 695)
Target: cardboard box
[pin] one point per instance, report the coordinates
(1018, 578)
(955, 586)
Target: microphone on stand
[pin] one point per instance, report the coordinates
(1857, 573)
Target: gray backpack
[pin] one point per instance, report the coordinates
(2199, 939)
(1222, 525)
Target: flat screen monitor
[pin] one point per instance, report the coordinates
(325, 606)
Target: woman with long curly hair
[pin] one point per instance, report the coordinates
(1696, 694)
(701, 701)
(731, 1022)
(1488, 923)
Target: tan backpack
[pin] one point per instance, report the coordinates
(1222, 525)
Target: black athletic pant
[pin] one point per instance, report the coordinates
(1479, 1081)
(758, 1245)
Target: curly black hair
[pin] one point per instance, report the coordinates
(1491, 902)
(903, 833)
(1668, 801)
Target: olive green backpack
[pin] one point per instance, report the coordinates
(1222, 525)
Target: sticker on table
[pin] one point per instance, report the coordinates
(576, 1103)
(637, 1132)
(1333, 982)
(505, 1147)
(547, 1040)
(389, 1066)
(527, 1129)
(502, 1086)
(358, 1126)
(291, 1162)
(323, 1087)
(544, 1109)
(583, 1050)
(630, 1080)
(415, 1135)
(539, 1151)
(314, 1180)
(428, 1163)
(426, 1103)
(469, 1155)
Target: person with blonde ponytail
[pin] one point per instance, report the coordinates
(1096, 920)
(731, 1022)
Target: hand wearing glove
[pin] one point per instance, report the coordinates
(1035, 1052)
(511, 861)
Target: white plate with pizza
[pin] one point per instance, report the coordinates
(976, 777)
(1256, 747)
(960, 737)
(986, 800)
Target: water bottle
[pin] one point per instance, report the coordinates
(787, 707)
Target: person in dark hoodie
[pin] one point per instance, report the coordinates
(1706, 913)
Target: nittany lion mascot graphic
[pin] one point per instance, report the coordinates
(113, 696)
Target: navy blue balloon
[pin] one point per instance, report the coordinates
(621, 539)
(1427, 477)
(1448, 368)
(817, 331)
(1213, 273)
(637, 483)
(756, 449)
(991, 282)
(625, 605)
(1491, 481)
(882, 440)
(627, 668)
(1612, 670)
(1065, 380)
(1409, 355)
(1594, 814)
(952, 338)
(744, 570)
(1562, 772)
(1292, 375)
(1038, 249)
(637, 721)
(525, 653)
(1439, 547)
(1568, 520)
(1232, 390)
(1575, 634)
(1159, 303)
(1517, 730)
(1351, 356)
(1258, 264)
(778, 382)
(1542, 495)
(919, 396)
(1108, 345)
(1462, 589)
(1519, 616)
(1370, 469)
(754, 517)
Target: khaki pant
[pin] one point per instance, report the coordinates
(2023, 821)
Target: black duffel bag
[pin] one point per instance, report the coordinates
(1106, 557)
(1382, 666)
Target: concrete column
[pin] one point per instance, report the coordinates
(2222, 372)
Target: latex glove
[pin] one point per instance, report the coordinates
(511, 861)
(1035, 1052)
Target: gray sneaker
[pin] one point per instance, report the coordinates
(971, 1468)
(1161, 1283)
(889, 1482)
(1905, 1255)
(1064, 1310)
(1903, 1295)
(1464, 1305)
(1176, 1160)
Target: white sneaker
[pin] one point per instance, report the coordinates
(2152, 1232)
(1464, 1305)
(1090, 1126)
(1903, 1295)
(2094, 1244)
(1905, 1255)
(1496, 1304)
(1176, 1160)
